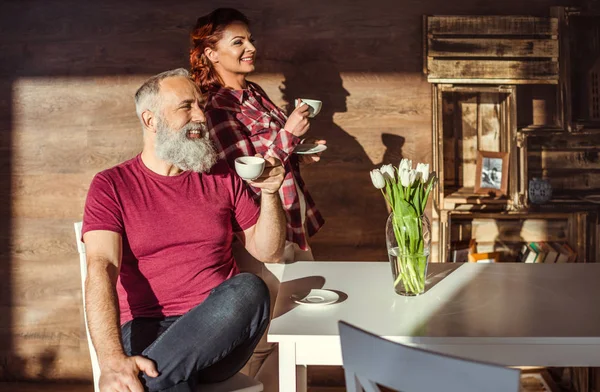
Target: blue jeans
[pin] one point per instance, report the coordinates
(210, 343)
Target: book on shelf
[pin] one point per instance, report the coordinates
(488, 257)
(541, 251)
(552, 254)
(529, 253)
(546, 252)
(570, 252)
(561, 255)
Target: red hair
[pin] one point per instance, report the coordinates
(208, 31)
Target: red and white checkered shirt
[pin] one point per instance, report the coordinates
(246, 122)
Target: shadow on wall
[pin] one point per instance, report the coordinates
(340, 184)
(393, 149)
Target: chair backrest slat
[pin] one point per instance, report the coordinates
(83, 269)
(373, 359)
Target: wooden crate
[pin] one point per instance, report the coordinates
(468, 119)
(491, 49)
(506, 232)
(569, 161)
(579, 34)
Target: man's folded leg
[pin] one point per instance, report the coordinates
(211, 342)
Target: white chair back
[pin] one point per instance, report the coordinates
(370, 360)
(237, 383)
(83, 269)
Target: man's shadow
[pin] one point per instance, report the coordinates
(340, 183)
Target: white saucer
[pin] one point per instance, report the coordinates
(317, 297)
(307, 148)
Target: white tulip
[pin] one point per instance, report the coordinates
(412, 176)
(405, 164)
(388, 172)
(423, 169)
(377, 179)
(405, 177)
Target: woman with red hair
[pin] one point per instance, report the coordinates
(244, 121)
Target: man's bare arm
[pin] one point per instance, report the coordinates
(118, 371)
(266, 239)
(103, 250)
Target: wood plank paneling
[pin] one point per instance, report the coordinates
(46, 387)
(492, 69)
(486, 47)
(570, 162)
(492, 25)
(573, 160)
(489, 230)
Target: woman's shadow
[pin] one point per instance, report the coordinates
(340, 183)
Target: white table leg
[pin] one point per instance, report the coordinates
(301, 378)
(287, 367)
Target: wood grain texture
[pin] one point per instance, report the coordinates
(516, 70)
(490, 47)
(516, 231)
(571, 162)
(492, 25)
(46, 387)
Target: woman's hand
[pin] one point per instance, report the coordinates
(297, 123)
(308, 159)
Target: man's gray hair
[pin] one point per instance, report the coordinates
(146, 97)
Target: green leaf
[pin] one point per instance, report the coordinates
(404, 209)
(390, 194)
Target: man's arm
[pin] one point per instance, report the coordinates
(266, 239)
(118, 371)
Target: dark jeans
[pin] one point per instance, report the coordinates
(210, 343)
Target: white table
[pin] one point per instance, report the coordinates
(507, 313)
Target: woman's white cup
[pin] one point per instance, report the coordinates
(314, 106)
(249, 168)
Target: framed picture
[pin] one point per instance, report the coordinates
(491, 174)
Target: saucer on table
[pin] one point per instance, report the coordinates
(316, 297)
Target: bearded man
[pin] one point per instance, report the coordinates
(166, 305)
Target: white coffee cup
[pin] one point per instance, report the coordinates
(249, 168)
(314, 106)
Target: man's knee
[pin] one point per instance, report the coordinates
(253, 288)
(246, 291)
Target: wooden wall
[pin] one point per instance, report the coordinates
(68, 72)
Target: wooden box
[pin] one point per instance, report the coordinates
(569, 161)
(579, 33)
(491, 49)
(507, 232)
(468, 119)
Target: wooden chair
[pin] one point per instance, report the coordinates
(237, 383)
(370, 360)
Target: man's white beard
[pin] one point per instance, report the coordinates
(175, 147)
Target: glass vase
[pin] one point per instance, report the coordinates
(408, 240)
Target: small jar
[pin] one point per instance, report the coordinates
(540, 190)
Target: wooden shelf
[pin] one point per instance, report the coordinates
(475, 108)
(468, 196)
(507, 231)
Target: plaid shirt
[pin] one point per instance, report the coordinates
(246, 122)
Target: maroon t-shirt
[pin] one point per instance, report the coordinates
(176, 233)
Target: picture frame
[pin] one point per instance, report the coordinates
(491, 173)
